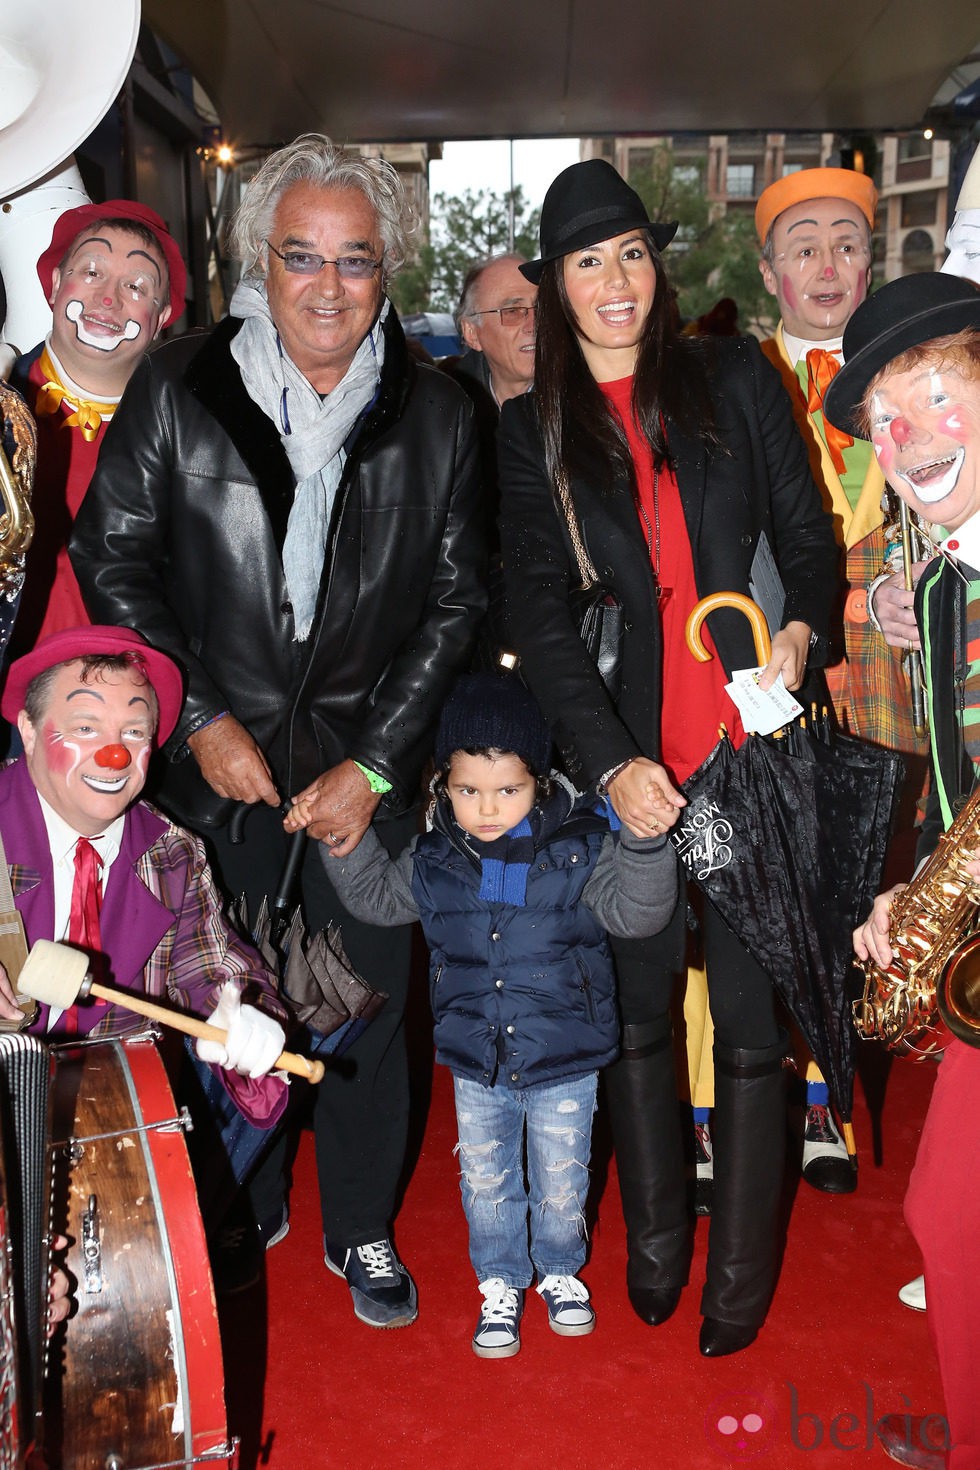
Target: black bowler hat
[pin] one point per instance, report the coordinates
(587, 203)
(904, 313)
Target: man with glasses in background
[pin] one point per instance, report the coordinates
(496, 318)
(290, 507)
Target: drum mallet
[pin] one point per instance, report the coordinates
(57, 975)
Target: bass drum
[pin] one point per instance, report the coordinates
(141, 1381)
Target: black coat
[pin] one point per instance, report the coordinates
(181, 536)
(758, 482)
(941, 613)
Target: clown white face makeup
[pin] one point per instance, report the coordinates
(100, 339)
(821, 267)
(88, 755)
(107, 304)
(963, 244)
(925, 426)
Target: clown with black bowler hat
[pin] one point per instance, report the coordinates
(911, 383)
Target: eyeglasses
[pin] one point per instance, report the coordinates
(349, 267)
(509, 315)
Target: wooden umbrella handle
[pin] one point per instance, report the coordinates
(708, 605)
(287, 1061)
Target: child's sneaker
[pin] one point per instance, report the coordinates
(567, 1300)
(497, 1333)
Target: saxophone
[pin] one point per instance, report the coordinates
(934, 975)
(18, 455)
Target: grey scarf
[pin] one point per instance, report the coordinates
(313, 432)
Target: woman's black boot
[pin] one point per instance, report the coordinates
(641, 1093)
(749, 1135)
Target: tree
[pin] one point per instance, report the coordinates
(409, 290)
(713, 254)
(464, 228)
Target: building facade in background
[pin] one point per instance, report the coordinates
(912, 173)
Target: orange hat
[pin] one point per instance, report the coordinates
(814, 183)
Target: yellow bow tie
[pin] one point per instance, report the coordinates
(85, 415)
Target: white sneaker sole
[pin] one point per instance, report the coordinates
(506, 1350)
(278, 1236)
(571, 1329)
(913, 1294)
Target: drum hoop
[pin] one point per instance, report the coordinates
(205, 1416)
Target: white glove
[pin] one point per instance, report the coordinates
(254, 1040)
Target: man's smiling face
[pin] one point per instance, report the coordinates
(89, 751)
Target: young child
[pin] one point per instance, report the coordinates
(516, 885)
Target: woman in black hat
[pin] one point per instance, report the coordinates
(679, 456)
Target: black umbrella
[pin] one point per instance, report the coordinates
(786, 836)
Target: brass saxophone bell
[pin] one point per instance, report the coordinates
(958, 991)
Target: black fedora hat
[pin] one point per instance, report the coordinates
(589, 202)
(902, 314)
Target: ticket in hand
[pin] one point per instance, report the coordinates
(762, 711)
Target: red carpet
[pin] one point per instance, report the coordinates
(837, 1351)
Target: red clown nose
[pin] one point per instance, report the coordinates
(114, 757)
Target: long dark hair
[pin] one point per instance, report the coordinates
(670, 381)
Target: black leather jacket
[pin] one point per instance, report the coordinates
(181, 536)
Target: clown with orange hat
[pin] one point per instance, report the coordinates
(815, 228)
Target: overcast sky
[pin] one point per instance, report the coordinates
(486, 165)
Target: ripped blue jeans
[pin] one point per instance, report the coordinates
(499, 1205)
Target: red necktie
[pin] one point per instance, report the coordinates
(86, 901)
(821, 369)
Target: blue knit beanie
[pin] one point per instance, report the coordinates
(494, 711)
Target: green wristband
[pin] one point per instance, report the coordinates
(377, 783)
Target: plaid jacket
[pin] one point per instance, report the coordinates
(163, 931)
(869, 686)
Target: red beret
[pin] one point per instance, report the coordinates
(815, 183)
(69, 226)
(74, 643)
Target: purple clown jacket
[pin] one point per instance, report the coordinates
(163, 930)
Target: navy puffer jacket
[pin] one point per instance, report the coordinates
(519, 995)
